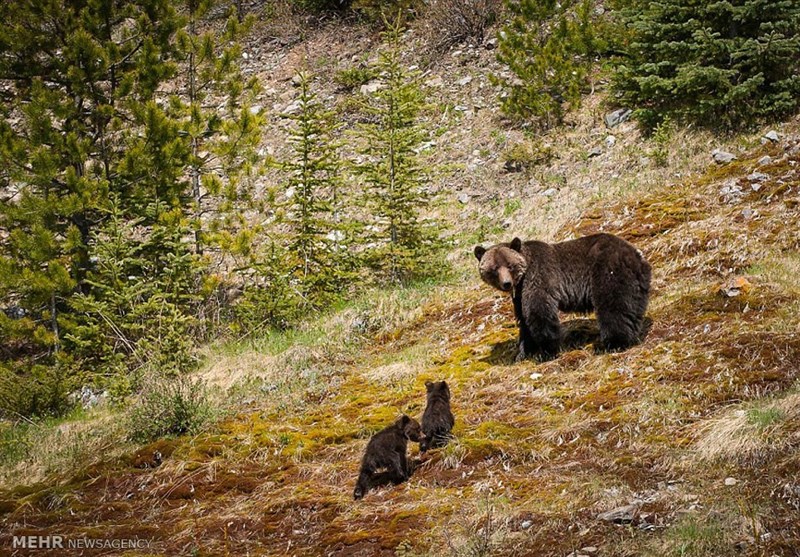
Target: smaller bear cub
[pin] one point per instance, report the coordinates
(437, 420)
(387, 450)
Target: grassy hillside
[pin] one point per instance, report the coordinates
(696, 431)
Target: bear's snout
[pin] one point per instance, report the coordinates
(506, 286)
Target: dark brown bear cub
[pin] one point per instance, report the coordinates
(600, 273)
(437, 420)
(387, 450)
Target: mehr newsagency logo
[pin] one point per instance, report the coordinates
(55, 541)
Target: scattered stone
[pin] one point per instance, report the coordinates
(615, 118)
(731, 192)
(506, 224)
(526, 524)
(731, 481)
(765, 160)
(748, 213)
(256, 109)
(456, 53)
(292, 108)
(595, 152)
(490, 44)
(722, 157)
(460, 108)
(756, 186)
(245, 55)
(371, 87)
(730, 289)
(772, 136)
(620, 515)
(464, 80)
(296, 80)
(611, 141)
(757, 177)
(463, 198)
(589, 549)
(534, 376)
(549, 192)
(435, 82)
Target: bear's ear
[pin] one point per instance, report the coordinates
(404, 420)
(479, 251)
(428, 386)
(516, 244)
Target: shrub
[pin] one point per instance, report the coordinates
(718, 64)
(549, 48)
(350, 78)
(450, 22)
(169, 406)
(526, 154)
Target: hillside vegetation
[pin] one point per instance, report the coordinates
(687, 444)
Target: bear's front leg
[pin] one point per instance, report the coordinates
(540, 334)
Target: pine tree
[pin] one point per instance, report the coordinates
(400, 238)
(223, 138)
(548, 46)
(317, 243)
(89, 138)
(722, 64)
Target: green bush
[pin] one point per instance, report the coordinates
(169, 406)
(549, 47)
(718, 64)
(350, 78)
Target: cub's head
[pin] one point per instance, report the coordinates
(502, 266)
(410, 428)
(439, 389)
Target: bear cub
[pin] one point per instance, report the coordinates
(601, 273)
(437, 420)
(387, 450)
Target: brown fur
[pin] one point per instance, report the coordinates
(387, 450)
(600, 273)
(437, 420)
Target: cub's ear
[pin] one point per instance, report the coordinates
(479, 251)
(516, 244)
(428, 386)
(404, 420)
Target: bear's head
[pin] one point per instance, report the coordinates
(502, 266)
(410, 428)
(439, 389)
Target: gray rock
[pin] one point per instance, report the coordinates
(460, 108)
(526, 524)
(722, 157)
(371, 87)
(464, 80)
(296, 80)
(757, 177)
(747, 214)
(621, 515)
(463, 198)
(595, 152)
(435, 82)
(617, 117)
(731, 481)
(490, 44)
(549, 192)
(765, 160)
(611, 141)
(256, 108)
(292, 108)
(772, 136)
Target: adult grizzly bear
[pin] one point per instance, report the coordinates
(600, 273)
(437, 420)
(387, 450)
